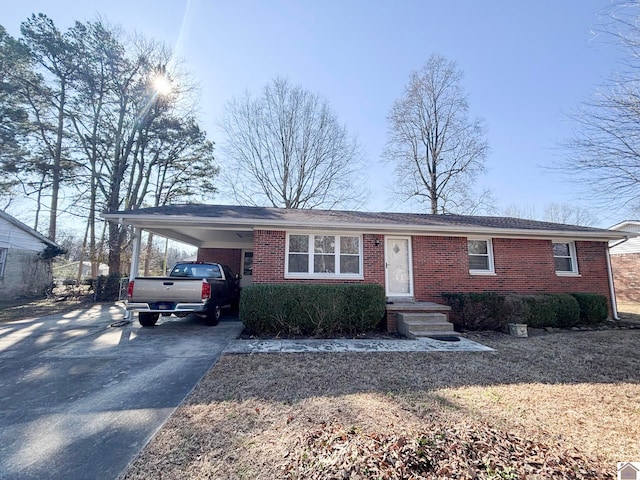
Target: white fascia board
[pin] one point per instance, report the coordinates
(240, 224)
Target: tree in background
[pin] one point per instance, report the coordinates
(286, 148)
(14, 125)
(566, 213)
(438, 151)
(602, 158)
(111, 127)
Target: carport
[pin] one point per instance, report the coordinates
(222, 238)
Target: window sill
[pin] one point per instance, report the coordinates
(568, 274)
(322, 276)
(482, 273)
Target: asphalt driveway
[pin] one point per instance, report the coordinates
(79, 397)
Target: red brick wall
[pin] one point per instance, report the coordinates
(230, 257)
(440, 264)
(522, 266)
(626, 277)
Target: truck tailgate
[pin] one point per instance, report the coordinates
(158, 289)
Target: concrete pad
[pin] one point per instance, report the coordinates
(79, 398)
(421, 344)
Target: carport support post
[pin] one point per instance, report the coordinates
(135, 254)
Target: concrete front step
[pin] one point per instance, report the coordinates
(414, 325)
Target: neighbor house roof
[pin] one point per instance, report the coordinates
(17, 223)
(633, 245)
(232, 217)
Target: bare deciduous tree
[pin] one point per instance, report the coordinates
(286, 148)
(602, 158)
(569, 214)
(438, 151)
(566, 213)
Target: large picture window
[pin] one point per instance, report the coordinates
(564, 257)
(480, 256)
(310, 255)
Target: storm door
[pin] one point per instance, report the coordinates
(398, 270)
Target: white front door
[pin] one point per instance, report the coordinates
(247, 268)
(398, 268)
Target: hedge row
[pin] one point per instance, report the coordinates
(316, 310)
(493, 311)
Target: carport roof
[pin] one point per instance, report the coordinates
(232, 218)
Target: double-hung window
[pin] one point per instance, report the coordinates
(322, 255)
(564, 257)
(480, 256)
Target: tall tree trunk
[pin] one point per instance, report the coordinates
(81, 259)
(56, 169)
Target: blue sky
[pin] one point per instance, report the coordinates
(525, 64)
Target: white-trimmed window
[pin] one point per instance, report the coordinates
(564, 257)
(3, 261)
(322, 255)
(480, 256)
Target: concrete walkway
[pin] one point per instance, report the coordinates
(79, 398)
(347, 345)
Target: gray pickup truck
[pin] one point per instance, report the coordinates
(191, 287)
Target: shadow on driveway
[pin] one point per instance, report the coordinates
(79, 397)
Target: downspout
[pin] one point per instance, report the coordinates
(612, 290)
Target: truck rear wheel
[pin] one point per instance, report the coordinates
(148, 319)
(213, 317)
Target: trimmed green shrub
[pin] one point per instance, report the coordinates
(594, 308)
(568, 311)
(316, 310)
(544, 310)
(478, 311)
(492, 311)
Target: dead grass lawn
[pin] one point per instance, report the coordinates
(562, 405)
(21, 309)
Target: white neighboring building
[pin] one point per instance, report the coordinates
(625, 263)
(25, 259)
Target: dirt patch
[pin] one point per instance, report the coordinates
(561, 405)
(629, 312)
(21, 309)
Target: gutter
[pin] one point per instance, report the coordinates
(229, 223)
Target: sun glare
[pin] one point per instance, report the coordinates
(162, 85)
